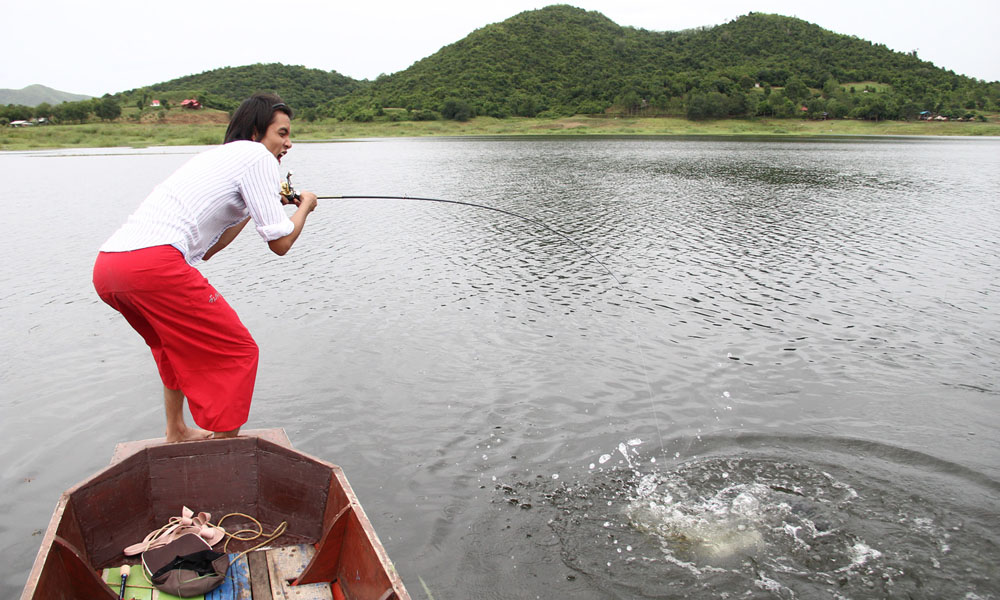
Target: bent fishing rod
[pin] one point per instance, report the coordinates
(291, 195)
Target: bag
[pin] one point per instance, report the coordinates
(186, 567)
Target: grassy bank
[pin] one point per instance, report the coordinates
(624, 126)
(129, 134)
(109, 135)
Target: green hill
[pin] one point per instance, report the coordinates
(562, 60)
(225, 88)
(33, 95)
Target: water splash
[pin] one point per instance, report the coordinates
(750, 525)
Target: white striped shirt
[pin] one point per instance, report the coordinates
(209, 194)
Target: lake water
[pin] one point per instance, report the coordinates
(726, 368)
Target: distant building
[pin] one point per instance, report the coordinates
(191, 103)
(155, 103)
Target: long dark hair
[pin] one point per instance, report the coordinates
(251, 119)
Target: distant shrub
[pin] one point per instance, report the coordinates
(591, 107)
(458, 110)
(309, 114)
(425, 115)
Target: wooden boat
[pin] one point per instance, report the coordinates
(258, 474)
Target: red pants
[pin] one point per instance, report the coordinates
(199, 344)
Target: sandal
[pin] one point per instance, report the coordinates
(188, 522)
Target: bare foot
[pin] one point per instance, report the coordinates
(220, 435)
(188, 434)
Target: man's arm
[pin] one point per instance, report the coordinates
(306, 203)
(227, 236)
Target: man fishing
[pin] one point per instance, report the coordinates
(145, 270)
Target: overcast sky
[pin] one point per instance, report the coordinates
(108, 46)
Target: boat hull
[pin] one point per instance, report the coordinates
(258, 474)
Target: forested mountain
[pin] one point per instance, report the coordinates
(225, 88)
(33, 95)
(562, 60)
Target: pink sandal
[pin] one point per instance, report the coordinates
(188, 522)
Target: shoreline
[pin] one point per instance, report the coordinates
(141, 135)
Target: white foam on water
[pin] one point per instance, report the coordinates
(623, 449)
(647, 485)
(746, 504)
(766, 583)
(793, 532)
(860, 553)
(720, 526)
(670, 558)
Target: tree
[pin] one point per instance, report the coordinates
(458, 110)
(591, 107)
(874, 107)
(17, 112)
(425, 115)
(830, 87)
(837, 109)
(310, 113)
(107, 109)
(43, 110)
(817, 108)
(796, 90)
(523, 105)
(909, 110)
(713, 105)
(630, 102)
(738, 104)
(74, 111)
(780, 106)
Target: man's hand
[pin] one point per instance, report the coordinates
(306, 203)
(308, 200)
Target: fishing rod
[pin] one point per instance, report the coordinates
(289, 193)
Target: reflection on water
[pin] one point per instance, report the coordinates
(804, 339)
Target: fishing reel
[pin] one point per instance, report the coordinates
(288, 193)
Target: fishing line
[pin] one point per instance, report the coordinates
(546, 226)
(483, 206)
